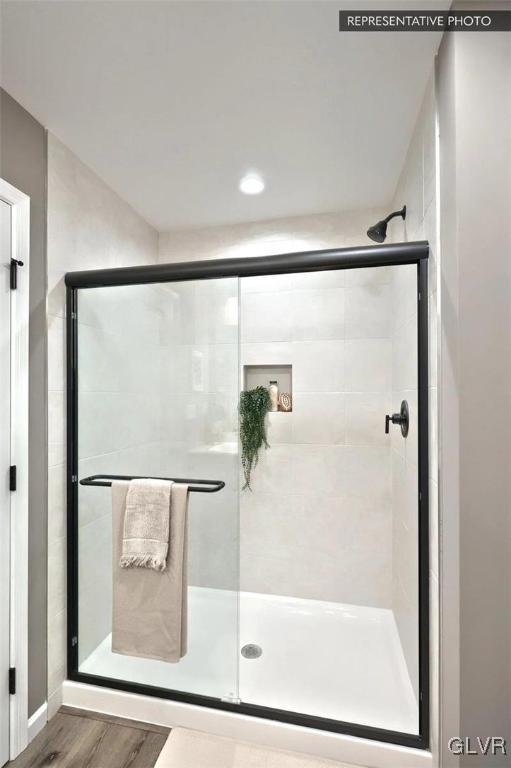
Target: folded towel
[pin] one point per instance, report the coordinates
(149, 617)
(145, 541)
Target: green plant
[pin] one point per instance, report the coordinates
(254, 405)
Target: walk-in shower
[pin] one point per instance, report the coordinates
(308, 592)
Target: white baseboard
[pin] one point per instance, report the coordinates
(54, 702)
(269, 733)
(37, 721)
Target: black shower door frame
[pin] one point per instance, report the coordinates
(308, 261)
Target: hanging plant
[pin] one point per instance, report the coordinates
(254, 405)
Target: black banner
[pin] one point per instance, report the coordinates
(424, 21)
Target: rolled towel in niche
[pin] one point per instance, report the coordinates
(273, 389)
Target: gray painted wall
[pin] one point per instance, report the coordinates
(448, 417)
(23, 164)
(475, 125)
(484, 249)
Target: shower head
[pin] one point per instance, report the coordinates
(378, 232)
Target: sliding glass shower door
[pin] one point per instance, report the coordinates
(158, 397)
(307, 567)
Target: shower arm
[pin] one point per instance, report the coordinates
(393, 215)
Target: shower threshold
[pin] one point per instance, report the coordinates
(328, 660)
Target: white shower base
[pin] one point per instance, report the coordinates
(330, 660)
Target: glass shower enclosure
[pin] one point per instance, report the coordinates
(308, 590)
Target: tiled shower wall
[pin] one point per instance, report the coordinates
(417, 188)
(118, 431)
(158, 395)
(264, 238)
(89, 227)
(341, 376)
(317, 523)
(199, 418)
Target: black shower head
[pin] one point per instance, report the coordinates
(378, 232)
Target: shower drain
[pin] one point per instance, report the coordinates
(251, 651)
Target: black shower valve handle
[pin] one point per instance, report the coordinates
(402, 418)
(396, 418)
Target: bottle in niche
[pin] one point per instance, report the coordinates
(273, 389)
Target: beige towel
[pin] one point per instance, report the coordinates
(150, 607)
(145, 541)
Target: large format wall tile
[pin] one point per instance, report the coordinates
(318, 366)
(368, 365)
(299, 320)
(322, 492)
(319, 418)
(346, 551)
(56, 354)
(416, 188)
(268, 317)
(365, 417)
(318, 314)
(90, 227)
(368, 312)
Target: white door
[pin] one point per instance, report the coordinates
(5, 461)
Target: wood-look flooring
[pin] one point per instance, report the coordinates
(79, 739)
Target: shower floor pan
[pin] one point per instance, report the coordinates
(342, 662)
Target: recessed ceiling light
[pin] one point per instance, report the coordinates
(251, 184)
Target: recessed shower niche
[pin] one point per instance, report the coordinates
(264, 375)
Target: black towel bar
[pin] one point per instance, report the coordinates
(193, 485)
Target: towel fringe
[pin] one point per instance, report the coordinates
(142, 561)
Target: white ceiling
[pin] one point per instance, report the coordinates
(171, 102)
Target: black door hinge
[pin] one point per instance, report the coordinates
(12, 680)
(15, 263)
(12, 478)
